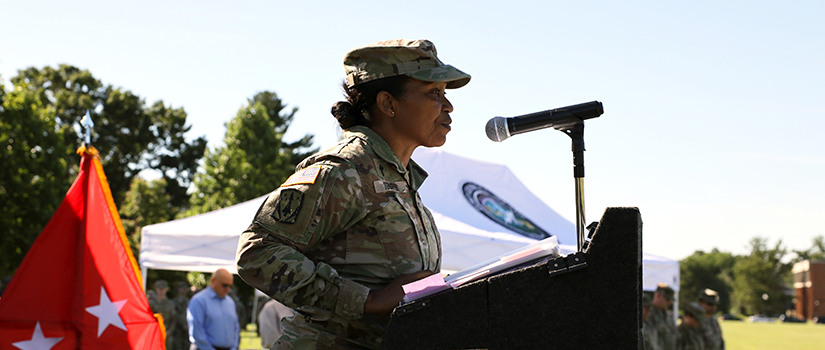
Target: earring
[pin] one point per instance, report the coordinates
(393, 113)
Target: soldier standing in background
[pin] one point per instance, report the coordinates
(661, 317)
(649, 334)
(239, 308)
(180, 331)
(160, 304)
(690, 331)
(708, 299)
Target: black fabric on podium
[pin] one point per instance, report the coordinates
(593, 307)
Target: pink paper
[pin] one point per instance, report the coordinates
(424, 287)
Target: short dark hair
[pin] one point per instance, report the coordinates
(360, 98)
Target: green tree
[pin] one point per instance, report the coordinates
(758, 282)
(35, 173)
(171, 155)
(815, 252)
(70, 92)
(297, 150)
(146, 203)
(254, 159)
(40, 134)
(702, 270)
(129, 136)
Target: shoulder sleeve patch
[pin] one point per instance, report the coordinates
(290, 213)
(288, 206)
(306, 176)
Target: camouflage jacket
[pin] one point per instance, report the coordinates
(650, 336)
(690, 338)
(712, 333)
(348, 220)
(166, 308)
(180, 303)
(664, 326)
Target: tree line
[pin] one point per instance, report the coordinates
(757, 283)
(39, 133)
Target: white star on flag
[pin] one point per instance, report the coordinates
(38, 340)
(107, 312)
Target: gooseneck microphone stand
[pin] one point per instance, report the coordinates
(576, 133)
(569, 120)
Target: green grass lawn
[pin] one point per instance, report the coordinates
(743, 335)
(249, 338)
(739, 335)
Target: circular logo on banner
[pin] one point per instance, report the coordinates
(499, 211)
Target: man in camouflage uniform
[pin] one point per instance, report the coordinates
(160, 304)
(661, 317)
(180, 330)
(348, 222)
(649, 334)
(708, 299)
(690, 331)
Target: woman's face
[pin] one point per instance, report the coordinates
(422, 115)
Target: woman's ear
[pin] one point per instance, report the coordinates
(384, 102)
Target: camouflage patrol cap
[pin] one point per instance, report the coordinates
(665, 290)
(161, 284)
(694, 309)
(413, 58)
(709, 296)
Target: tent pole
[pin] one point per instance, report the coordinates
(143, 271)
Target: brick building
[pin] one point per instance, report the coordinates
(809, 283)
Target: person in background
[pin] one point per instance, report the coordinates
(212, 317)
(270, 322)
(161, 304)
(239, 307)
(690, 330)
(338, 239)
(151, 295)
(649, 334)
(708, 299)
(661, 317)
(180, 330)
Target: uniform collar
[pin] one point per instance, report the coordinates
(383, 150)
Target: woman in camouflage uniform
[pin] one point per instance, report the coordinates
(339, 238)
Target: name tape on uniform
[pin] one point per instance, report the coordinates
(307, 175)
(386, 186)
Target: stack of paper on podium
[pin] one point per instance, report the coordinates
(436, 283)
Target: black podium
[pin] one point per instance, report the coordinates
(586, 300)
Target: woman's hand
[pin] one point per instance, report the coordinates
(383, 301)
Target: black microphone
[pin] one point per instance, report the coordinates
(499, 128)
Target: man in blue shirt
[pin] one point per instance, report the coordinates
(212, 317)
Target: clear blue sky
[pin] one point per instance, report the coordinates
(713, 110)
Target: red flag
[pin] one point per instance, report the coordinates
(79, 286)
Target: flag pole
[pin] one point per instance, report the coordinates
(87, 124)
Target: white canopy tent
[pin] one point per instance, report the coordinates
(481, 209)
